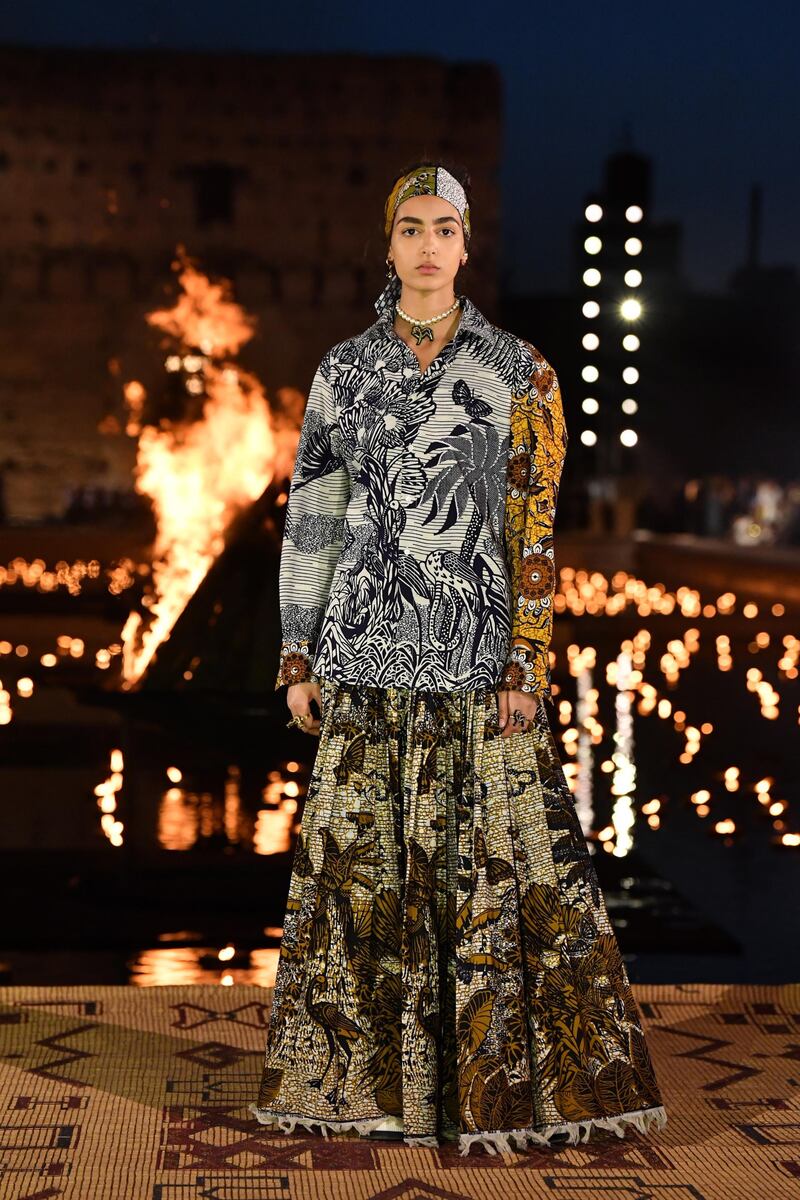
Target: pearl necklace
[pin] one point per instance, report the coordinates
(422, 328)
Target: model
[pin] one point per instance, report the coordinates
(448, 970)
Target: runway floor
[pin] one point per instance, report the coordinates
(110, 1093)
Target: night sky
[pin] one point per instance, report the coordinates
(710, 91)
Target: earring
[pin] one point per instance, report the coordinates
(390, 274)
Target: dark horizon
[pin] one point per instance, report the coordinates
(712, 90)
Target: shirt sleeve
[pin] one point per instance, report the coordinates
(313, 534)
(536, 458)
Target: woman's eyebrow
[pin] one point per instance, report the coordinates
(419, 220)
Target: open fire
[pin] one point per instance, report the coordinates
(201, 469)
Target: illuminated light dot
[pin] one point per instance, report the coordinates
(630, 342)
(791, 839)
(590, 374)
(116, 761)
(608, 847)
(630, 375)
(25, 686)
(590, 405)
(725, 826)
(629, 437)
(6, 647)
(593, 212)
(654, 821)
(174, 774)
(291, 788)
(776, 809)
(702, 810)
(593, 245)
(633, 278)
(633, 245)
(590, 341)
(588, 437)
(778, 610)
(630, 309)
(226, 953)
(48, 660)
(227, 981)
(629, 406)
(21, 651)
(173, 362)
(134, 391)
(76, 647)
(750, 610)
(591, 309)
(633, 213)
(591, 277)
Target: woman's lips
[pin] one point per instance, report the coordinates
(427, 268)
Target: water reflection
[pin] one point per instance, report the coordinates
(178, 822)
(187, 817)
(161, 966)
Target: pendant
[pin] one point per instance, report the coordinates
(421, 332)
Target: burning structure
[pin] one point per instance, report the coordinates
(213, 457)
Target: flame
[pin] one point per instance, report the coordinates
(204, 316)
(200, 473)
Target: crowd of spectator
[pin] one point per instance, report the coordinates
(748, 509)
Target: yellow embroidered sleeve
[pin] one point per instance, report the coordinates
(536, 458)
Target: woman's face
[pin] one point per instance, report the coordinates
(427, 230)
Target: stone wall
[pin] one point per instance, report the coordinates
(270, 170)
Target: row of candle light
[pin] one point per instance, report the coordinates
(581, 592)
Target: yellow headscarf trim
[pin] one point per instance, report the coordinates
(428, 181)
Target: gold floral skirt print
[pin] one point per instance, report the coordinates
(447, 959)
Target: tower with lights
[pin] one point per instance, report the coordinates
(625, 264)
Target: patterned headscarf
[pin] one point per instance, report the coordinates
(428, 181)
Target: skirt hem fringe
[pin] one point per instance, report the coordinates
(642, 1119)
(493, 1141)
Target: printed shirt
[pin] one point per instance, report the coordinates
(418, 542)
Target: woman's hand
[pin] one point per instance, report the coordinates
(516, 711)
(299, 697)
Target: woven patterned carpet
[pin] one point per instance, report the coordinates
(110, 1093)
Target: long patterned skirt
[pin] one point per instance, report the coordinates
(447, 958)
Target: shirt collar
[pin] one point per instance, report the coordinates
(472, 318)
